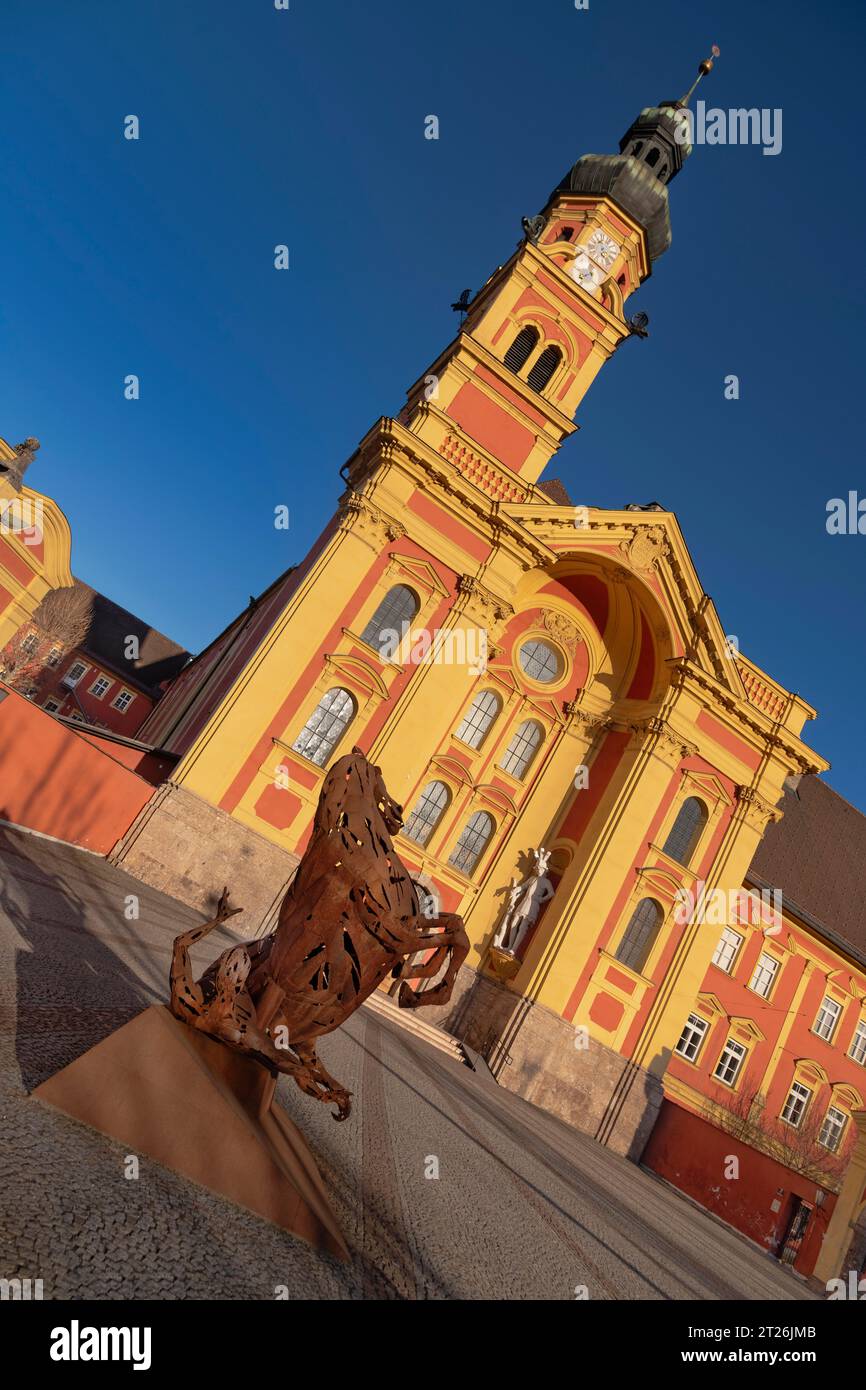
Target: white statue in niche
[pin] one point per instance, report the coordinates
(525, 901)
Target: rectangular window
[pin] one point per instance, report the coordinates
(75, 672)
(99, 686)
(832, 1129)
(30, 643)
(123, 700)
(730, 1064)
(692, 1038)
(727, 949)
(51, 706)
(858, 1044)
(53, 657)
(765, 973)
(828, 1017)
(795, 1106)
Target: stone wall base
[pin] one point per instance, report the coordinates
(190, 849)
(531, 1050)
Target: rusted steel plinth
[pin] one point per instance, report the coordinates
(204, 1110)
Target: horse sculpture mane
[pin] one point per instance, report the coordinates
(349, 919)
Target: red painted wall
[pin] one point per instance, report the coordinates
(54, 781)
(692, 1154)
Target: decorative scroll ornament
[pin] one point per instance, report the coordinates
(359, 516)
(647, 546)
(758, 812)
(481, 604)
(665, 736)
(562, 629)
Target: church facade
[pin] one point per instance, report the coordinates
(528, 672)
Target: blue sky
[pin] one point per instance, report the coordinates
(306, 128)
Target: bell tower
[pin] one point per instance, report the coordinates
(504, 393)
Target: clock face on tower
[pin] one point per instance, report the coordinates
(587, 274)
(602, 249)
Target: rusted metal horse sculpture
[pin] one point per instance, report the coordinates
(350, 917)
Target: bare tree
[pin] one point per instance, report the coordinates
(60, 623)
(795, 1147)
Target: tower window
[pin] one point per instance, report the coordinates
(325, 726)
(640, 935)
(473, 841)
(478, 718)
(521, 348)
(384, 631)
(653, 158)
(544, 368)
(637, 147)
(686, 831)
(427, 812)
(566, 234)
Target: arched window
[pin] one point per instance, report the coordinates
(478, 718)
(397, 608)
(427, 812)
(522, 748)
(566, 234)
(640, 935)
(520, 349)
(326, 726)
(540, 662)
(686, 830)
(473, 841)
(544, 368)
(653, 158)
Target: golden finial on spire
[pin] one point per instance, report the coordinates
(703, 68)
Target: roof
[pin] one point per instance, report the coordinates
(815, 854)
(556, 491)
(159, 658)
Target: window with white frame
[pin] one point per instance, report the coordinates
(326, 726)
(522, 749)
(53, 657)
(828, 1017)
(858, 1044)
(832, 1129)
(730, 1064)
(478, 718)
(473, 841)
(765, 973)
(123, 700)
(692, 1037)
(99, 687)
(795, 1106)
(30, 643)
(727, 950)
(51, 706)
(427, 812)
(75, 672)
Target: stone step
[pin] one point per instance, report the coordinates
(408, 1020)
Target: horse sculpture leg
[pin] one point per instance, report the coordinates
(454, 943)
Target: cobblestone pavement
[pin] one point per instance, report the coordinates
(523, 1207)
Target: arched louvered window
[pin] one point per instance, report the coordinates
(473, 841)
(391, 619)
(686, 830)
(522, 748)
(520, 349)
(640, 935)
(427, 812)
(326, 726)
(478, 718)
(544, 368)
